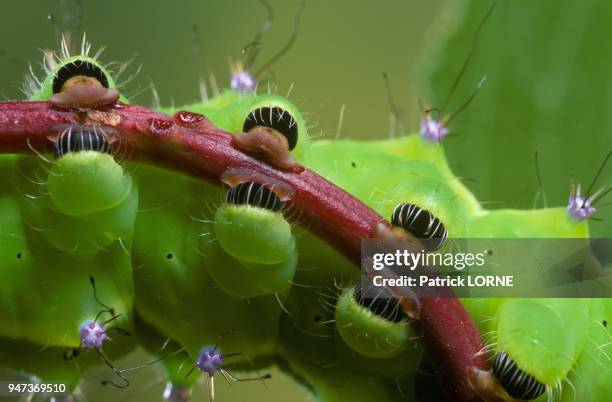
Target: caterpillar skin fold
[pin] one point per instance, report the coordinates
(187, 265)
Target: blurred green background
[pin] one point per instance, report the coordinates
(549, 86)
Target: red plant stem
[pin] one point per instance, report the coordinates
(197, 148)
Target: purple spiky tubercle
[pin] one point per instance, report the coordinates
(579, 206)
(243, 81)
(92, 334)
(209, 360)
(432, 129)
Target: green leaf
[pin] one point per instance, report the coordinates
(549, 89)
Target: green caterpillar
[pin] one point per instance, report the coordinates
(191, 262)
(427, 177)
(445, 195)
(66, 222)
